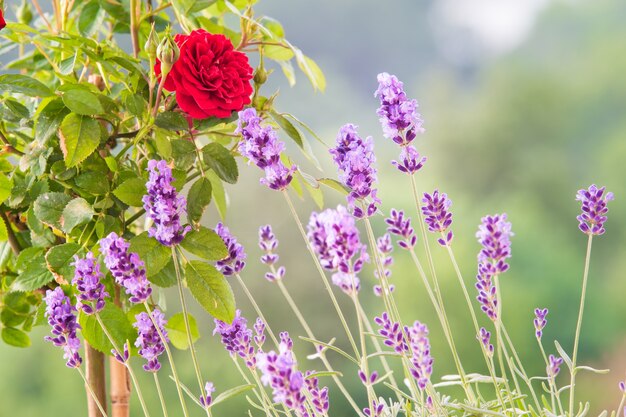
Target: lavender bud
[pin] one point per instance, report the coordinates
(399, 226)
(553, 366)
(149, 342)
(259, 332)
(123, 356)
(540, 321)
(487, 293)
(494, 234)
(88, 282)
(421, 359)
(436, 215)
(594, 209)
(319, 397)
(236, 338)
(485, 339)
(268, 244)
(375, 410)
(234, 262)
(410, 160)
(207, 399)
(392, 333)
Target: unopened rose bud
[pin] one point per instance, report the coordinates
(168, 53)
(260, 76)
(97, 80)
(152, 44)
(23, 13)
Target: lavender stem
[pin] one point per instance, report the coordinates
(158, 387)
(91, 392)
(257, 309)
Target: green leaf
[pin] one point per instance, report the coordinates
(288, 127)
(311, 70)
(211, 290)
(219, 195)
(22, 84)
(171, 120)
(6, 185)
(133, 102)
(334, 184)
(220, 160)
(80, 136)
(60, 258)
(50, 117)
(116, 323)
(35, 276)
(154, 255)
(166, 277)
(90, 18)
(184, 153)
(198, 199)
(15, 337)
(206, 244)
(48, 208)
(277, 53)
(82, 101)
(95, 183)
(76, 212)
(229, 393)
(177, 331)
(131, 191)
(66, 67)
(4, 233)
(564, 355)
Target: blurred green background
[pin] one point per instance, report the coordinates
(524, 103)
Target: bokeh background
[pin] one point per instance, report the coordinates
(524, 103)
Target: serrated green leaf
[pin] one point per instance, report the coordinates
(49, 118)
(34, 276)
(82, 102)
(211, 290)
(59, 260)
(220, 160)
(15, 337)
(198, 199)
(48, 208)
(131, 191)
(90, 18)
(66, 67)
(177, 331)
(219, 194)
(26, 256)
(171, 120)
(184, 153)
(166, 277)
(206, 244)
(152, 253)
(22, 84)
(76, 212)
(117, 324)
(80, 136)
(133, 102)
(93, 182)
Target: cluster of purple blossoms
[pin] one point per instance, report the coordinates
(207, 399)
(487, 292)
(149, 342)
(421, 359)
(392, 333)
(375, 410)
(163, 205)
(127, 268)
(234, 262)
(553, 367)
(268, 244)
(400, 226)
(437, 216)
(261, 146)
(485, 339)
(540, 321)
(355, 159)
(384, 247)
(319, 396)
(62, 318)
(88, 282)
(123, 356)
(279, 371)
(259, 332)
(594, 209)
(410, 160)
(335, 239)
(237, 338)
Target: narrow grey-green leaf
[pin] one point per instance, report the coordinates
(211, 290)
(206, 244)
(48, 208)
(131, 191)
(177, 331)
(154, 255)
(232, 392)
(198, 199)
(220, 160)
(80, 136)
(82, 101)
(76, 212)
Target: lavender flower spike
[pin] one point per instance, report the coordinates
(319, 397)
(485, 339)
(422, 360)
(268, 244)
(400, 226)
(553, 367)
(163, 205)
(437, 216)
(384, 247)
(149, 342)
(234, 262)
(207, 400)
(392, 332)
(487, 293)
(354, 157)
(398, 115)
(88, 282)
(127, 268)
(237, 338)
(540, 321)
(410, 160)
(494, 234)
(261, 146)
(594, 209)
(61, 316)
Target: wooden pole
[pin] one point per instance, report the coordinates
(120, 381)
(96, 377)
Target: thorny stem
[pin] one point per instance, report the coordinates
(158, 387)
(257, 309)
(91, 392)
(579, 325)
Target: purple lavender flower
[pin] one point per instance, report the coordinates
(384, 247)
(259, 332)
(122, 357)
(268, 244)
(485, 339)
(398, 115)
(540, 321)
(279, 371)
(207, 399)
(421, 359)
(237, 338)
(261, 146)
(335, 239)
(88, 282)
(594, 209)
(410, 160)
(437, 216)
(553, 367)
(375, 410)
(401, 226)
(149, 341)
(487, 293)
(127, 268)
(392, 333)
(234, 262)
(319, 397)
(368, 380)
(622, 386)
(494, 234)
(355, 160)
(163, 205)
(61, 316)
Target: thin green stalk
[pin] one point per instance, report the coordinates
(551, 381)
(363, 361)
(257, 309)
(578, 326)
(521, 367)
(130, 369)
(192, 349)
(170, 358)
(321, 272)
(93, 394)
(254, 390)
(158, 387)
(499, 350)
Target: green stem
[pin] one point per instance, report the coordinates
(92, 393)
(579, 325)
(158, 387)
(257, 309)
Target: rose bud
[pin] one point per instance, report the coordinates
(168, 53)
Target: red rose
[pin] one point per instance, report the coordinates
(2, 22)
(210, 77)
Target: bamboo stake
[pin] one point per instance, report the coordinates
(96, 378)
